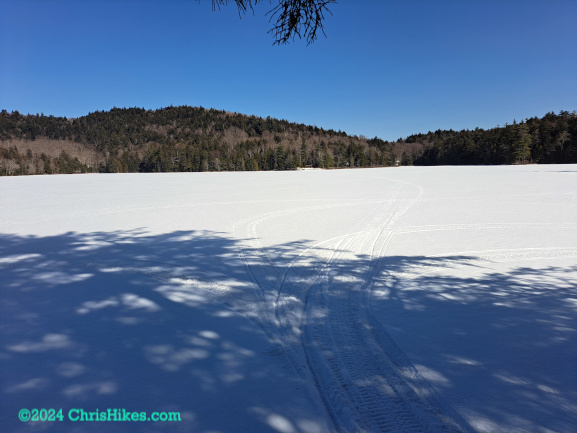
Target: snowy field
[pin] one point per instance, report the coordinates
(372, 300)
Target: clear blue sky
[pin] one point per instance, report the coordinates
(387, 68)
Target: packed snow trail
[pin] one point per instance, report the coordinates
(362, 385)
(303, 302)
(323, 317)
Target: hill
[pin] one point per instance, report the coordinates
(551, 139)
(197, 139)
(175, 139)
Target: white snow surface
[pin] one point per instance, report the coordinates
(370, 300)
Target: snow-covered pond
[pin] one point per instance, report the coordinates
(370, 300)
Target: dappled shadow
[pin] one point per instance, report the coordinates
(185, 322)
(142, 323)
(498, 340)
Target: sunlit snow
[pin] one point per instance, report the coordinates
(367, 300)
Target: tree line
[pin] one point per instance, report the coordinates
(176, 139)
(551, 139)
(197, 139)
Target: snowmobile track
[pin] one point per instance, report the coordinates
(364, 389)
(320, 307)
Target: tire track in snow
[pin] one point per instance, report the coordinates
(251, 248)
(322, 317)
(363, 388)
(253, 251)
(288, 308)
(341, 359)
(290, 304)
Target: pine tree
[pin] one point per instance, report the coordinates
(522, 144)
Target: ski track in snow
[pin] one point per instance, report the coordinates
(323, 316)
(315, 306)
(363, 383)
(360, 379)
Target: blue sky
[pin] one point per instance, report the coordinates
(386, 68)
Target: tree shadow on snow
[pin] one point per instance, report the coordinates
(178, 323)
(126, 320)
(501, 345)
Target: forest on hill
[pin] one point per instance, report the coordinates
(551, 139)
(197, 139)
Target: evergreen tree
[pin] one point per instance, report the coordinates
(522, 144)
